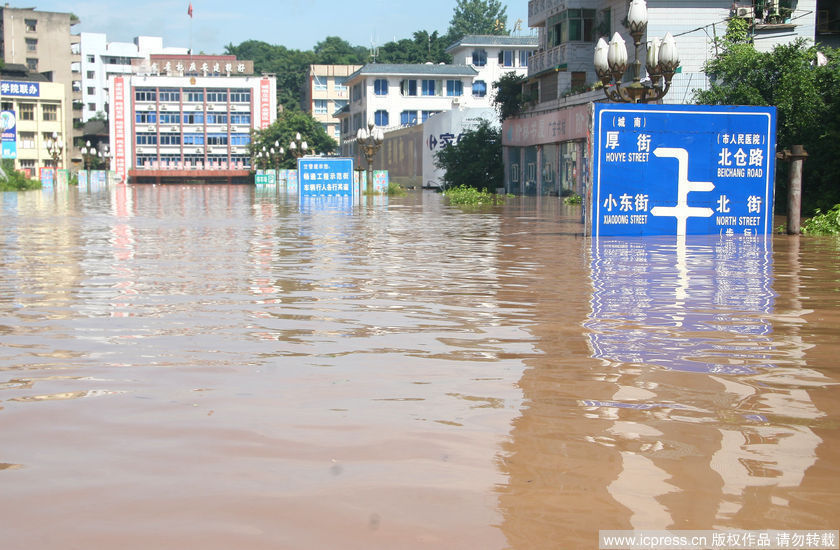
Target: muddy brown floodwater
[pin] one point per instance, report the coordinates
(219, 368)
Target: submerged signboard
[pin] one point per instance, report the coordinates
(682, 170)
(321, 176)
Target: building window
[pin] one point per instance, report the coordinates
(380, 86)
(170, 118)
(145, 117)
(26, 140)
(91, 106)
(240, 96)
(506, 58)
(145, 94)
(320, 107)
(571, 26)
(31, 25)
(217, 139)
(427, 114)
(169, 95)
(50, 112)
(145, 138)
(357, 92)
(6, 106)
(170, 139)
(217, 96)
(428, 87)
(479, 58)
(27, 164)
(195, 97)
(27, 111)
(340, 84)
(31, 63)
(408, 118)
(240, 118)
(380, 118)
(32, 44)
(216, 118)
(193, 139)
(193, 118)
(454, 88)
(479, 88)
(91, 74)
(91, 90)
(408, 87)
(91, 59)
(524, 56)
(240, 139)
(319, 83)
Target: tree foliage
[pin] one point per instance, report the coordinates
(12, 180)
(421, 48)
(806, 95)
(475, 161)
(509, 98)
(477, 17)
(283, 131)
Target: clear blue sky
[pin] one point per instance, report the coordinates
(296, 24)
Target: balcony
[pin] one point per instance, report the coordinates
(539, 10)
(547, 60)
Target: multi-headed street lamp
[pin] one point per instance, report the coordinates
(370, 140)
(88, 154)
(611, 62)
(297, 147)
(55, 147)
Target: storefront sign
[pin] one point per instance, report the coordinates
(20, 89)
(554, 127)
(8, 123)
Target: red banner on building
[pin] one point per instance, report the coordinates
(265, 103)
(119, 127)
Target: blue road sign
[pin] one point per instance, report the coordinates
(321, 176)
(682, 170)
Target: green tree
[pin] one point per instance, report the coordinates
(475, 161)
(283, 131)
(12, 180)
(806, 94)
(421, 48)
(510, 98)
(336, 51)
(477, 17)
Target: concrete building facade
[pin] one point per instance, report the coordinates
(493, 56)
(100, 60)
(327, 93)
(171, 128)
(43, 42)
(40, 114)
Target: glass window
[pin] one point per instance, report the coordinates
(479, 58)
(506, 58)
(145, 94)
(32, 44)
(380, 86)
(31, 25)
(146, 138)
(91, 59)
(479, 88)
(170, 139)
(193, 139)
(240, 96)
(427, 114)
(50, 112)
(320, 106)
(194, 118)
(428, 87)
(340, 83)
(170, 118)
(168, 94)
(380, 118)
(217, 118)
(195, 97)
(357, 92)
(524, 56)
(240, 118)
(27, 111)
(31, 64)
(91, 90)
(454, 88)
(408, 87)
(240, 139)
(26, 140)
(217, 96)
(408, 118)
(145, 117)
(217, 139)
(319, 83)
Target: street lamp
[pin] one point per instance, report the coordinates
(297, 148)
(88, 153)
(611, 61)
(105, 153)
(370, 140)
(55, 146)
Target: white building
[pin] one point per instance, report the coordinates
(168, 128)
(493, 56)
(102, 59)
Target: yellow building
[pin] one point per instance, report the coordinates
(40, 114)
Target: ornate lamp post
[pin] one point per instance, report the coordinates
(370, 140)
(611, 62)
(277, 153)
(105, 153)
(55, 147)
(88, 153)
(298, 148)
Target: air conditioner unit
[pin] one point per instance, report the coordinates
(209, 107)
(163, 107)
(745, 12)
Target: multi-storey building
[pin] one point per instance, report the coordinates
(101, 60)
(43, 42)
(493, 56)
(327, 93)
(40, 113)
(170, 128)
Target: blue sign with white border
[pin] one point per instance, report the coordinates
(21, 89)
(322, 176)
(8, 122)
(682, 170)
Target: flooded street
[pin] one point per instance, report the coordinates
(216, 367)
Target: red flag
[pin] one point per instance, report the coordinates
(189, 10)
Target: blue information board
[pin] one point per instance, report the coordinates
(321, 176)
(682, 170)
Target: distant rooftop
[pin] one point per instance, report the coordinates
(472, 40)
(414, 69)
